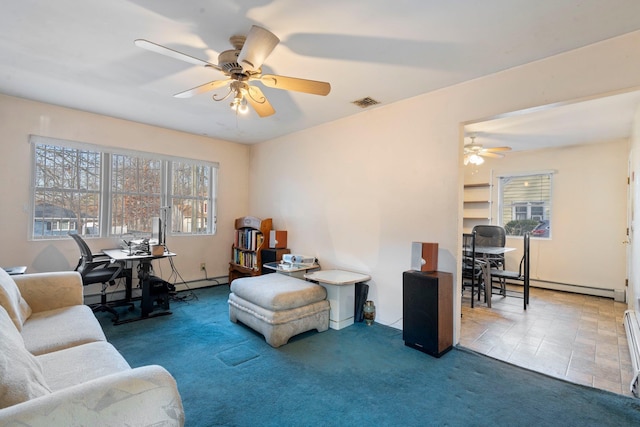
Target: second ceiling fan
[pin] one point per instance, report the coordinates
(242, 65)
(474, 153)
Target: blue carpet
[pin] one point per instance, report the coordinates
(229, 376)
(237, 355)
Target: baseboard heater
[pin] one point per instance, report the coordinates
(632, 329)
(615, 294)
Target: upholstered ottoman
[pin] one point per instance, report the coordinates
(278, 306)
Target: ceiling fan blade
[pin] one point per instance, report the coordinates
(313, 87)
(163, 50)
(492, 155)
(490, 149)
(202, 88)
(258, 101)
(257, 47)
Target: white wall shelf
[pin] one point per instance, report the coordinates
(477, 205)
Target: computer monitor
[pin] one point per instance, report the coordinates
(157, 235)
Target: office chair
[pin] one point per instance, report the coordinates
(97, 268)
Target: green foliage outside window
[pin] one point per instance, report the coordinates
(518, 227)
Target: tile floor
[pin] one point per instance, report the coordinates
(575, 337)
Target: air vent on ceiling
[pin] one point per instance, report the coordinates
(365, 102)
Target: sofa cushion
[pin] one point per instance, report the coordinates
(21, 377)
(53, 330)
(12, 301)
(76, 365)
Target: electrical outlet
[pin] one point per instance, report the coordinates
(203, 266)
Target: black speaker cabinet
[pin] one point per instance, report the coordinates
(428, 311)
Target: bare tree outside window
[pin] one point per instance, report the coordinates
(135, 194)
(190, 198)
(102, 193)
(66, 191)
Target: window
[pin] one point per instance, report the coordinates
(66, 190)
(106, 193)
(525, 204)
(190, 198)
(135, 193)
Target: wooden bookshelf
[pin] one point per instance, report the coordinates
(250, 237)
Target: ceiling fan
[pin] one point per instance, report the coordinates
(474, 153)
(242, 65)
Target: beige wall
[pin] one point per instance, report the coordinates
(19, 118)
(588, 213)
(358, 191)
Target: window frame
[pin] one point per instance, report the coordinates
(105, 213)
(527, 205)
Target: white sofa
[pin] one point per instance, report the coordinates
(56, 367)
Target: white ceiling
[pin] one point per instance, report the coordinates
(602, 119)
(80, 54)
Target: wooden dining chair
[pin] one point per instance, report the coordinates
(504, 277)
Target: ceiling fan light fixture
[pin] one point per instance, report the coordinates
(475, 153)
(239, 104)
(243, 108)
(474, 159)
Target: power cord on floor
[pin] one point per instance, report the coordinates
(173, 278)
(206, 277)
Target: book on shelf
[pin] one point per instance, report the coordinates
(245, 259)
(248, 239)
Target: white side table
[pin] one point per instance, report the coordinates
(340, 286)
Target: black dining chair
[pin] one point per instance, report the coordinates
(495, 236)
(503, 277)
(97, 268)
(474, 269)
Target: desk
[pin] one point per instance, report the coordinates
(293, 270)
(146, 303)
(340, 286)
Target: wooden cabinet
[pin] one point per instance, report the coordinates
(477, 205)
(251, 236)
(427, 311)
